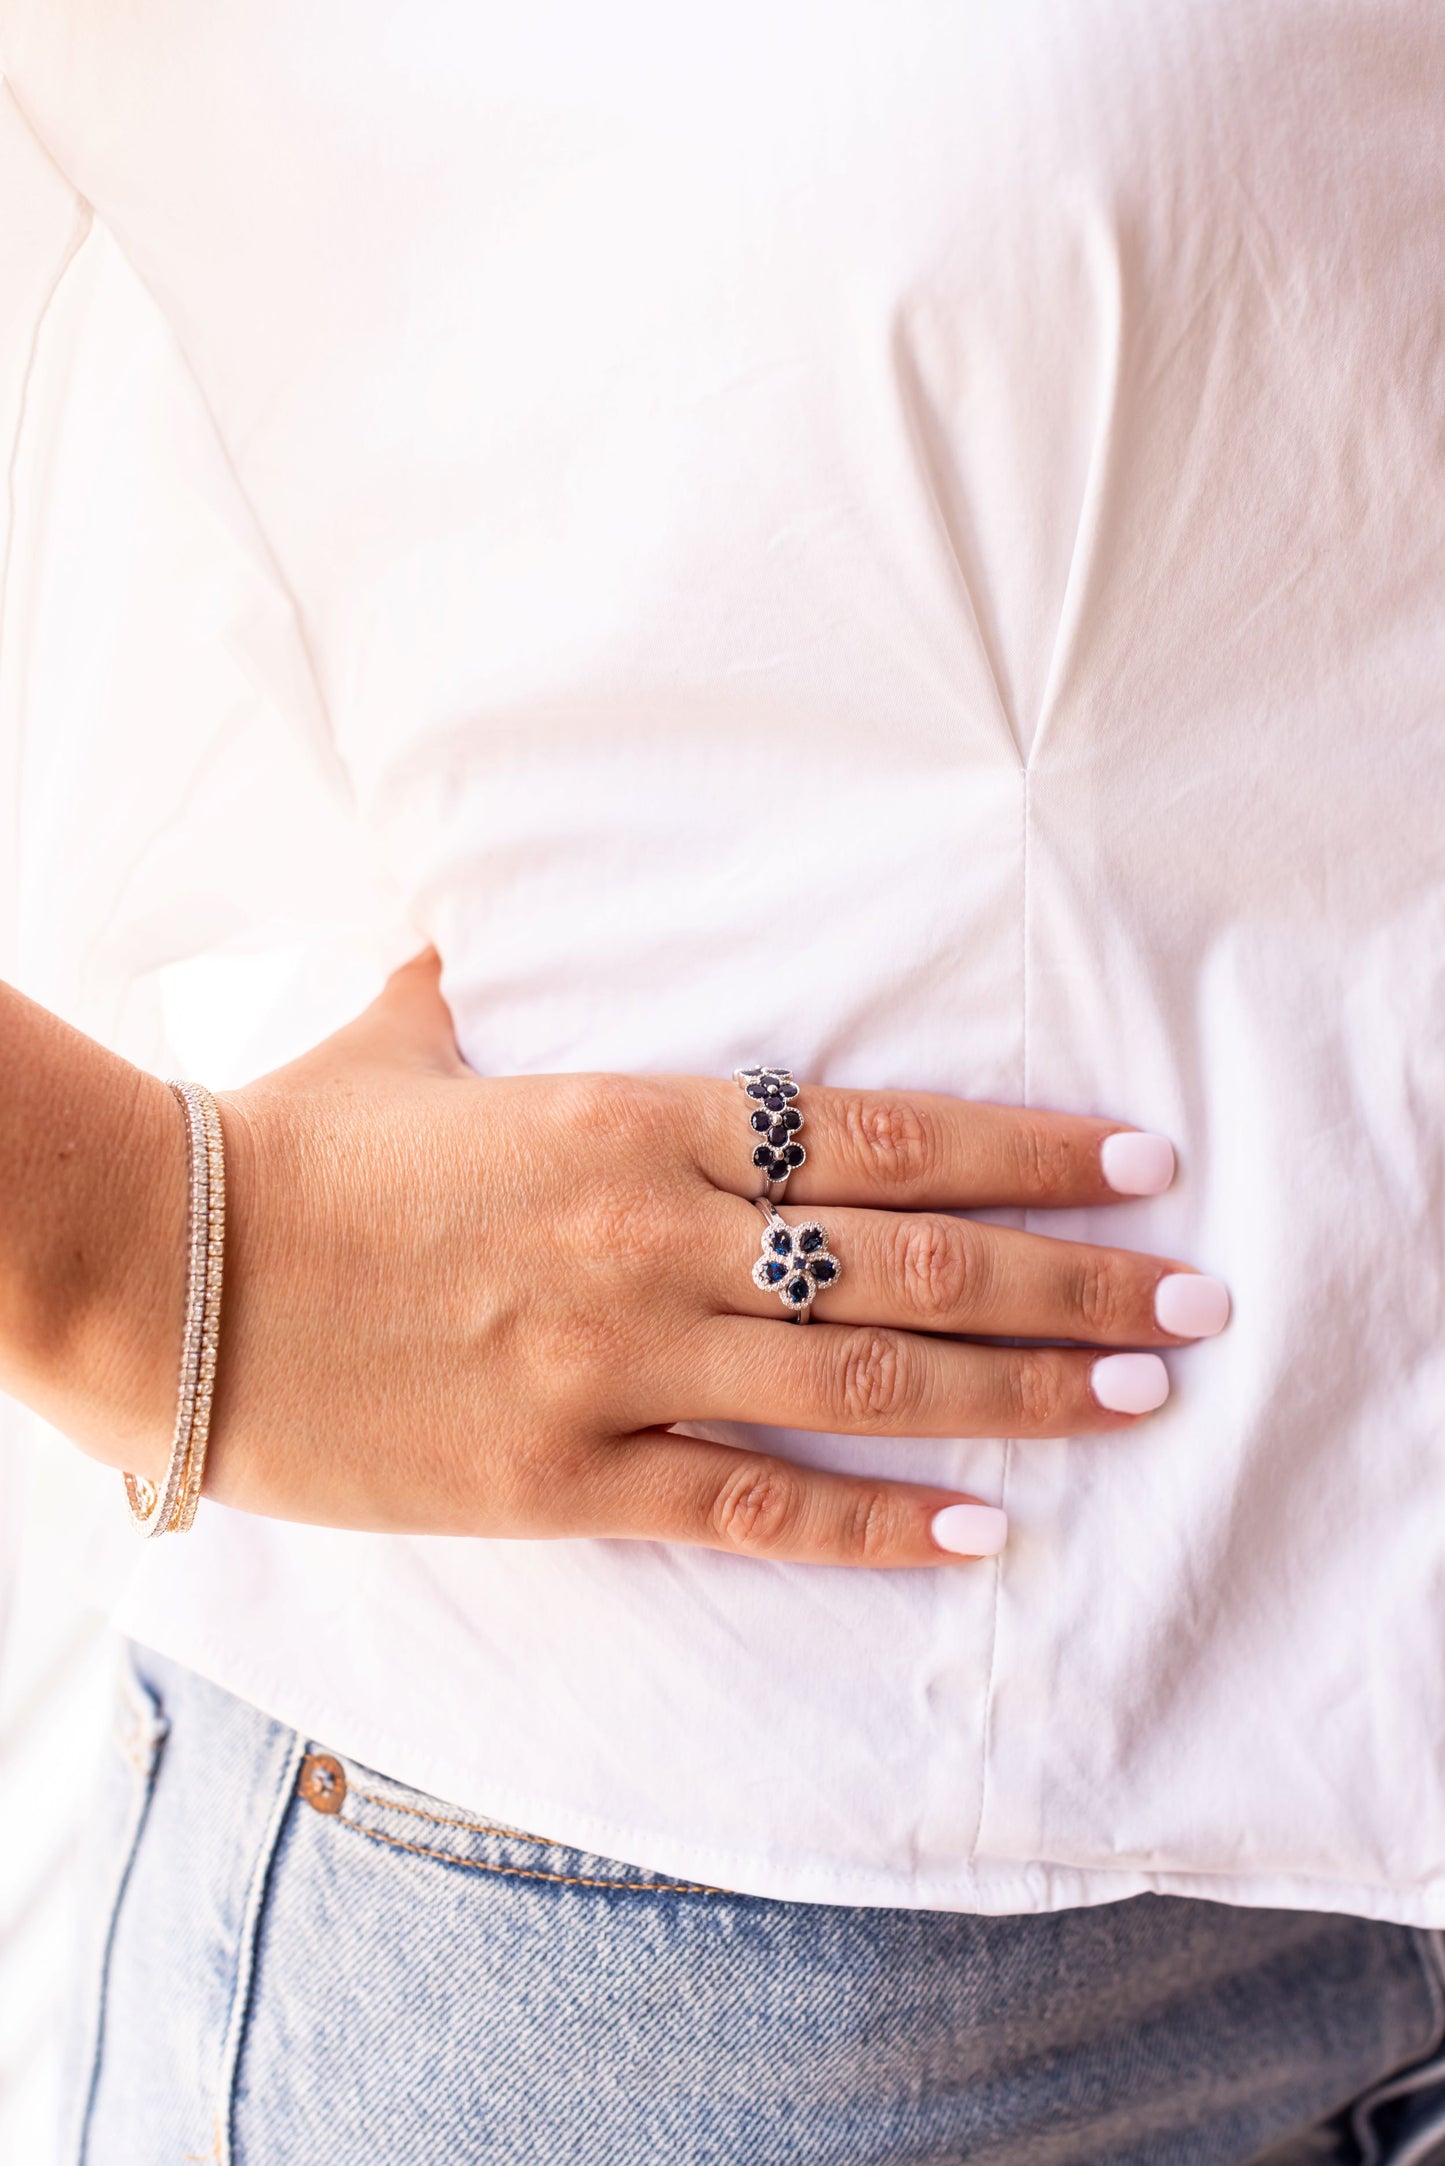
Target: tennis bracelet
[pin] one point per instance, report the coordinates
(170, 1506)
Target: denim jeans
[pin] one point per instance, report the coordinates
(296, 1959)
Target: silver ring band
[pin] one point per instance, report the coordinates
(796, 1264)
(774, 1118)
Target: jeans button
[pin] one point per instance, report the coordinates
(322, 1783)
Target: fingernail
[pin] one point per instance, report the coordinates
(970, 1530)
(1137, 1164)
(1191, 1305)
(1129, 1383)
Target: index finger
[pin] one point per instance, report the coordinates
(922, 1150)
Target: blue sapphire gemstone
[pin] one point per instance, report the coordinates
(763, 1156)
(773, 1099)
(777, 1133)
(797, 1291)
(824, 1270)
(758, 1090)
(780, 1241)
(774, 1271)
(789, 1090)
(792, 1154)
(811, 1239)
(792, 1118)
(761, 1121)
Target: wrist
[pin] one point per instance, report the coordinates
(90, 1312)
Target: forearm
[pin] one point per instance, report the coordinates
(92, 1237)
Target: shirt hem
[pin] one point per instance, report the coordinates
(988, 1887)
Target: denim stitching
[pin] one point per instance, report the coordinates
(520, 1872)
(473, 1827)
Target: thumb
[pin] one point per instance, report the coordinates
(409, 1022)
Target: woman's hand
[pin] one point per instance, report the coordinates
(467, 1306)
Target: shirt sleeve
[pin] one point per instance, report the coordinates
(187, 876)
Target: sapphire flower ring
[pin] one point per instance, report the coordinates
(775, 1119)
(796, 1263)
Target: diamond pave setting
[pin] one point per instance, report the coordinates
(796, 1263)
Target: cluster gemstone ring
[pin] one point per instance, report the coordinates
(796, 1263)
(775, 1119)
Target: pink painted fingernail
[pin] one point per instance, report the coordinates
(1137, 1164)
(1191, 1305)
(1129, 1383)
(970, 1530)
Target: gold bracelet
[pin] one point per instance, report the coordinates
(170, 1506)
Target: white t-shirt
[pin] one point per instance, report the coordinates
(907, 540)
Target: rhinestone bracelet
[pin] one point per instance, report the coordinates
(170, 1506)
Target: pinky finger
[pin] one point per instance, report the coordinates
(660, 1487)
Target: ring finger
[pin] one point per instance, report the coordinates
(868, 1380)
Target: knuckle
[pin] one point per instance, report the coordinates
(1098, 1300)
(892, 1139)
(1034, 1390)
(1045, 1160)
(941, 1267)
(757, 1507)
(874, 1386)
(613, 1132)
(609, 1110)
(869, 1534)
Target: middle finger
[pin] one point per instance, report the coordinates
(929, 1271)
